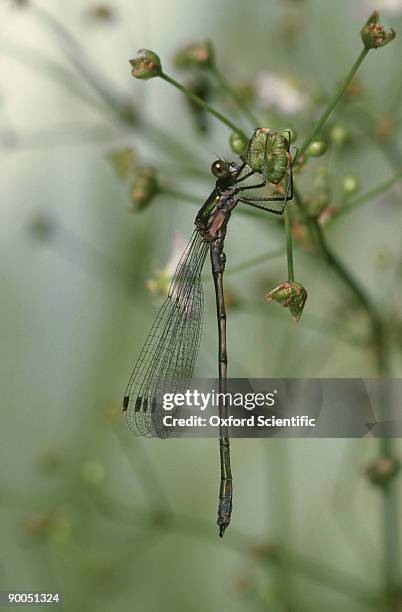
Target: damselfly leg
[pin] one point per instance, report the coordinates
(284, 188)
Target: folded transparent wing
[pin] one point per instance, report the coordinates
(167, 360)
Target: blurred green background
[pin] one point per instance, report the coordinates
(118, 523)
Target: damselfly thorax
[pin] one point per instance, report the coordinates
(212, 219)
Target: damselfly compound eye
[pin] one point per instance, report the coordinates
(221, 169)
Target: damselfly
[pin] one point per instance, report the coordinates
(167, 360)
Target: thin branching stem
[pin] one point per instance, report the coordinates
(338, 95)
(226, 86)
(371, 194)
(218, 115)
(289, 245)
(390, 502)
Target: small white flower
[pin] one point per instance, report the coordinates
(280, 93)
(158, 284)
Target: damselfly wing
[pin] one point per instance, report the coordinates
(167, 360)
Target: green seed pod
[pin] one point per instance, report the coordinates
(290, 134)
(317, 148)
(339, 134)
(237, 143)
(321, 178)
(382, 471)
(277, 148)
(144, 188)
(290, 295)
(350, 185)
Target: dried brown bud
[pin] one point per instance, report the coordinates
(145, 187)
(374, 35)
(200, 55)
(382, 471)
(290, 295)
(147, 65)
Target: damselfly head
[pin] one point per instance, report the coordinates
(221, 169)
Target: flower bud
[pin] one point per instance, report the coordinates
(145, 188)
(159, 284)
(290, 134)
(101, 12)
(200, 55)
(124, 162)
(245, 91)
(317, 148)
(327, 214)
(382, 471)
(339, 134)
(317, 203)
(302, 235)
(321, 178)
(385, 127)
(374, 35)
(350, 185)
(237, 143)
(291, 295)
(147, 65)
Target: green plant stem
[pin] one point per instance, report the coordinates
(369, 195)
(333, 102)
(226, 86)
(203, 105)
(289, 245)
(348, 280)
(392, 578)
